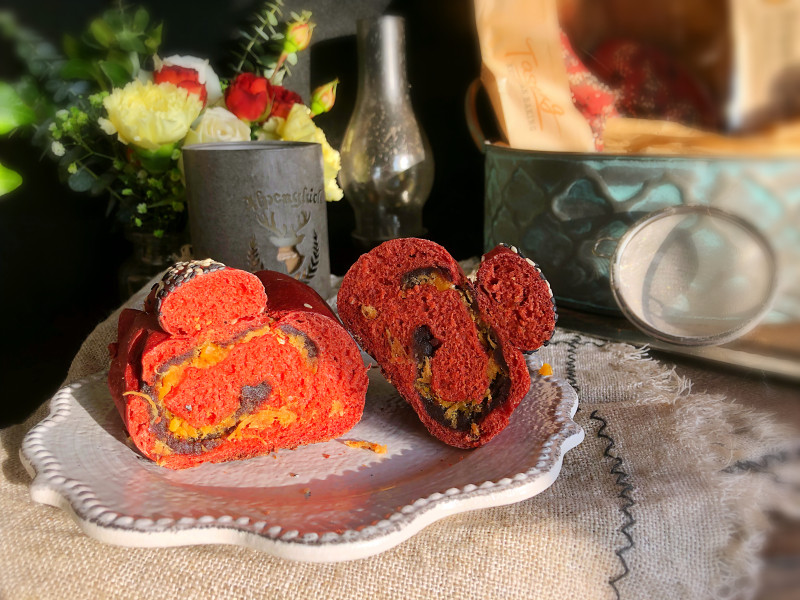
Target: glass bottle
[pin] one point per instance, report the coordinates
(387, 164)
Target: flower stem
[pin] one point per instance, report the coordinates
(278, 65)
(96, 176)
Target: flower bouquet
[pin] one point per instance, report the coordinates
(116, 115)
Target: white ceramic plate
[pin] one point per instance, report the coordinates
(325, 502)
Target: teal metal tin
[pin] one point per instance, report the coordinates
(567, 211)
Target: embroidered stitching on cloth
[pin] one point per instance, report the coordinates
(626, 489)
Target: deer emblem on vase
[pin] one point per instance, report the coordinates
(286, 238)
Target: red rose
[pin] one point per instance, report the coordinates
(183, 77)
(249, 97)
(283, 100)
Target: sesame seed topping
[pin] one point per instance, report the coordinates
(183, 272)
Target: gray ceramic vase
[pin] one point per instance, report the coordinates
(260, 205)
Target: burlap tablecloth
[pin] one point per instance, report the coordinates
(665, 498)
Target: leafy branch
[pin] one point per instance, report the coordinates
(265, 20)
(42, 89)
(62, 97)
(111, 51)
(262, 44)
(91, 161)
(14, 113)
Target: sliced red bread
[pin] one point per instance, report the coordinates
(410, 306)
(223, 365)
(514, 297)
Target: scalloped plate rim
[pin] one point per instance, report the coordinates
(366, 542)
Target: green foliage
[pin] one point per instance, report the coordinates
(33, 99)
(261, 44)
(9, 180)
(13, 110)
(62, 95)
(110, 52)
(91, 161)
(43, 88)
(14, 113)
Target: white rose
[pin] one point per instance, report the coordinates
(218, 125)
(206, 74)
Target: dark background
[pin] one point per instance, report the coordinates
(60, 255)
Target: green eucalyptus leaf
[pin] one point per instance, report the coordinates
(102, 32)
(77, 68)
(78, 88)
(81, 181)
(46, 51)
(9, 180)
(37, 68)
(292, 58)
(25, 52)
(102, 183)
(69, 90)
(263, 35)
(61, 94)
(140, 19)
(26, 36)
(52, 85)
(70, 156)
(116, 73)
(13, 111)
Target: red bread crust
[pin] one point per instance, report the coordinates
(308, 393)
(514, 297)
(285, 293)
(385, 313)
(184, 309)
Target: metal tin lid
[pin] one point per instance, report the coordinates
(694, 275)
